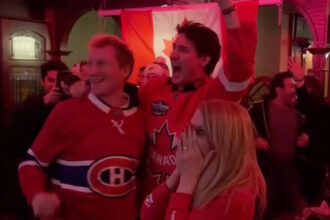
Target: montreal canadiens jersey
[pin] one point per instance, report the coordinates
(169, 111)
(88, 154)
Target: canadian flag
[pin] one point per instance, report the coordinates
(150, 32)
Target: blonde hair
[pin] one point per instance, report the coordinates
(229, 132)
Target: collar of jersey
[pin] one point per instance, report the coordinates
(189, 87)
(106, 108)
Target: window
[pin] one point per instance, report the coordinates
(27, 45)
(25, 82)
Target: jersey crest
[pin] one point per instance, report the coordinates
(118, 125)
(112, 176)
(159, 108)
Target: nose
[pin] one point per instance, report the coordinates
(174, 54)
(52, 85)
(92, 68)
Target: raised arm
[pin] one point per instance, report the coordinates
(239, 42)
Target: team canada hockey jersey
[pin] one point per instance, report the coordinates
(88, 154)
(169, 110)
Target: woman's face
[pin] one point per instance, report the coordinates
(197, 124)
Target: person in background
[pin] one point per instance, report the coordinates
(280, 133)
(83, 71)
(153, 71)
(27, 120)
(217, 174)
(75, 69)
(316, 155)
(80, 88)
(29, 117)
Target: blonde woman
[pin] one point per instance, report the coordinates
(217, 175)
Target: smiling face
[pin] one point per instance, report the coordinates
(105, 73)
(49, 81)
(187, 65)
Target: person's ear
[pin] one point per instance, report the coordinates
(205, 60)
(126, 70)
(279, 90)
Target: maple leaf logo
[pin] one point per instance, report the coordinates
(185, 21)
(168, 47)
(169, 43)
(163, 137)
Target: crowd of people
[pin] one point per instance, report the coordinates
(97, 147)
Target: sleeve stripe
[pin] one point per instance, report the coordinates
(71, 187)
(31, 153)
(232, 86)
(75, 163)
(28, 163)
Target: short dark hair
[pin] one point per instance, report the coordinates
(204, 39)
(276, 82)
(123, 54)
(52, 65)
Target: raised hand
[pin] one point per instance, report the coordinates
(303, 140)
(229, 13)
(190, 161)
(53, 96)
(79, 89)
(65, 88)
(261, 144)
(298, 71)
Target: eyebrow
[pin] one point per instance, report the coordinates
(183, 47)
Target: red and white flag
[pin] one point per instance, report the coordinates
(150, 32)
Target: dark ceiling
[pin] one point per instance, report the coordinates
(97, 4)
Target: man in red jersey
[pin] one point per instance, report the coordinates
(83, 164)
(171, 102)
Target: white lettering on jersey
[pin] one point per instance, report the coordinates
(162, 160)
(149, 201)
(118, 125)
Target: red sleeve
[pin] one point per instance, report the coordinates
(155, 204)
(145, 92)
(32, 180)
(238, 52)
(238, 205)
(48, 144)
(178, 208)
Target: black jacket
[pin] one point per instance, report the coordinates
(28, 119)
